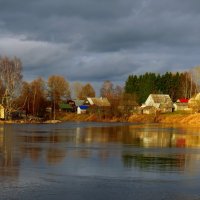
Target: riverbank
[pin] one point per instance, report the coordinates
(185, 119)
(168, 118)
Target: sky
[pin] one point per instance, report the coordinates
(97, 40)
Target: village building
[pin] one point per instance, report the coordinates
(99, 105)
(2, 112)
(99, 102)
(181, 104)
(64, 107)
(194, 103)
(161, 102)
(78, 102)
(82, 109)
(148, 110)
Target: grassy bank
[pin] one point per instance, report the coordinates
(89, 117)
(168, 118)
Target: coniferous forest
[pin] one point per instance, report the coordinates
(177, 85)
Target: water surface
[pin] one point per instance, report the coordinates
(99, 161)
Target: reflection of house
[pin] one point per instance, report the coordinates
(2, 112)
(161, 102)
(181, 104)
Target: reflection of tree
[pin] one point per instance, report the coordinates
(54, 155)
(34, 152)
(9, 160)
(154, 162)
(82, 153)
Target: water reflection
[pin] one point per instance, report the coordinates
(9, 159)
(155, 162)
(143, 147)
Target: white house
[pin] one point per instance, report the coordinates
(82, 109)
(161, 102)
(181, 104)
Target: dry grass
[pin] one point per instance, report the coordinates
(190, 119)
(181, 119)
(173, 118)
(141, 118)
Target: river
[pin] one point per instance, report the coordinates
(99, 161)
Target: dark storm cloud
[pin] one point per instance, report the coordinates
(94, 40)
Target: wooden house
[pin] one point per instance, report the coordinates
(79, 102)
(99, 105)
(99, 102)
(181, 104)
(65, 107)
(148, 110)
(162, 102)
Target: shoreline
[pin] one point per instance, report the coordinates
(167, 118)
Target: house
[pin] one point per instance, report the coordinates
(162, 102)
(2, 112)
(72, 104)
(99, 105)
(99, 102)
(82, 109)
(181, 104)
(194, 102)
(65, 107)
(78, 102)
(148, 110)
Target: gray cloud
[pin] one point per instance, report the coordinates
(92, 40)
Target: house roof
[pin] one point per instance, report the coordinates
(65, 106)
(197, 96)
(79, 102)
(84, 107)
(182, 100)
(163, 100)
(101, 102)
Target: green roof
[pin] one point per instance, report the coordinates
(65, 106)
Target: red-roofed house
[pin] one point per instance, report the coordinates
(181, 104)
(182, 100)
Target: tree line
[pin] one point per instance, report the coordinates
(177, 85)
(36, 96)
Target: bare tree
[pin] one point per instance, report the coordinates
(11, 78)
(77, 88)
(195, 78)
(87, 91)
(38, 97)
(32, 98)
(107, 89)
(58, 90)
(25, 97)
